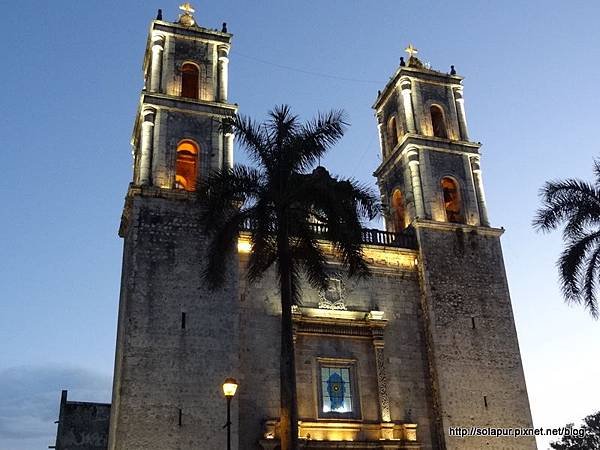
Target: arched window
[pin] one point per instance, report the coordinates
(398, 211)
(189, 81)
(452, 201)
(186, 166)
(392, 134)
(437, 122)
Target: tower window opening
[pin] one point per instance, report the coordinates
(398, 211)
(189, 81)
(183, 321)
(186, 166)
(437, 122)
(452, 202)
(392, 134)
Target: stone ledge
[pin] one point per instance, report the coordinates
(449, 226)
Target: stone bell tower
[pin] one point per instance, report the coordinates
(430, 181)
(176, 340)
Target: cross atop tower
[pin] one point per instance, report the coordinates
(411, 50)
(187, 8)
(187, 18)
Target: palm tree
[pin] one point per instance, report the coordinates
(576, 204)
(284, 205)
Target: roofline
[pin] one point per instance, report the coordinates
(413, 72)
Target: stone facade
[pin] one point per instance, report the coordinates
(82, 425)
(474, 354)
(426, 343)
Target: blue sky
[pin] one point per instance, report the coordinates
(71, 77)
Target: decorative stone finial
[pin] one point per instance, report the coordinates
(187, 18)
(402, 63)
(159, 15)
(224, 28)
(452, 71)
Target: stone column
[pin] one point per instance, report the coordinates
(158, 42)
(228, 158)
(384, 401)
(413, 164)
(376, 322)
(408, 108)
(381, 136)
(385, 208)
(146, 145)
(479, 192)
(460, 109)
(222, 72)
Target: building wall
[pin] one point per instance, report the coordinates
(391, 289)
(82, 425)
(473, 348)
(160, 367)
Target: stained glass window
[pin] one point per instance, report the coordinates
(336, 390)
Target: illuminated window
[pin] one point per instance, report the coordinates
(398, 211)
(186, 166)
(452, 202)
(437, 122)
(189, 81)
(337, 391)
(392, 134)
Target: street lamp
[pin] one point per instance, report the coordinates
(229, 388)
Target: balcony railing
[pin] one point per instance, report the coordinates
(370, 236)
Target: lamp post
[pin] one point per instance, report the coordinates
(229, 388)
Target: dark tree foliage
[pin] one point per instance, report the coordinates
(589, 439)
(576, 205)
(282, 200)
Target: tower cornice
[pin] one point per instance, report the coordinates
(410, 141)
(452, 227)
(160, 27)
(420, 74)
(182, 104)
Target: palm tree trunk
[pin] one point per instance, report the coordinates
(288, 425)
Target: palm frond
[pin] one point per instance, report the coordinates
(306, 250)
(337, 204)
(226, 190)
(282, 126)
(571, 263)
(315, 138)
(597, 170)
(571, 201)
(590, 283)
(221, 243)
(264, 248)
(252, 136)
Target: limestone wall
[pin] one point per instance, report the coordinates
(392, 290)
(475, 362)
(167, 386)
(82, 425)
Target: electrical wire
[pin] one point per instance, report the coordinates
(307, 72)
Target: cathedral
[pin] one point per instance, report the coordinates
(401, 360)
